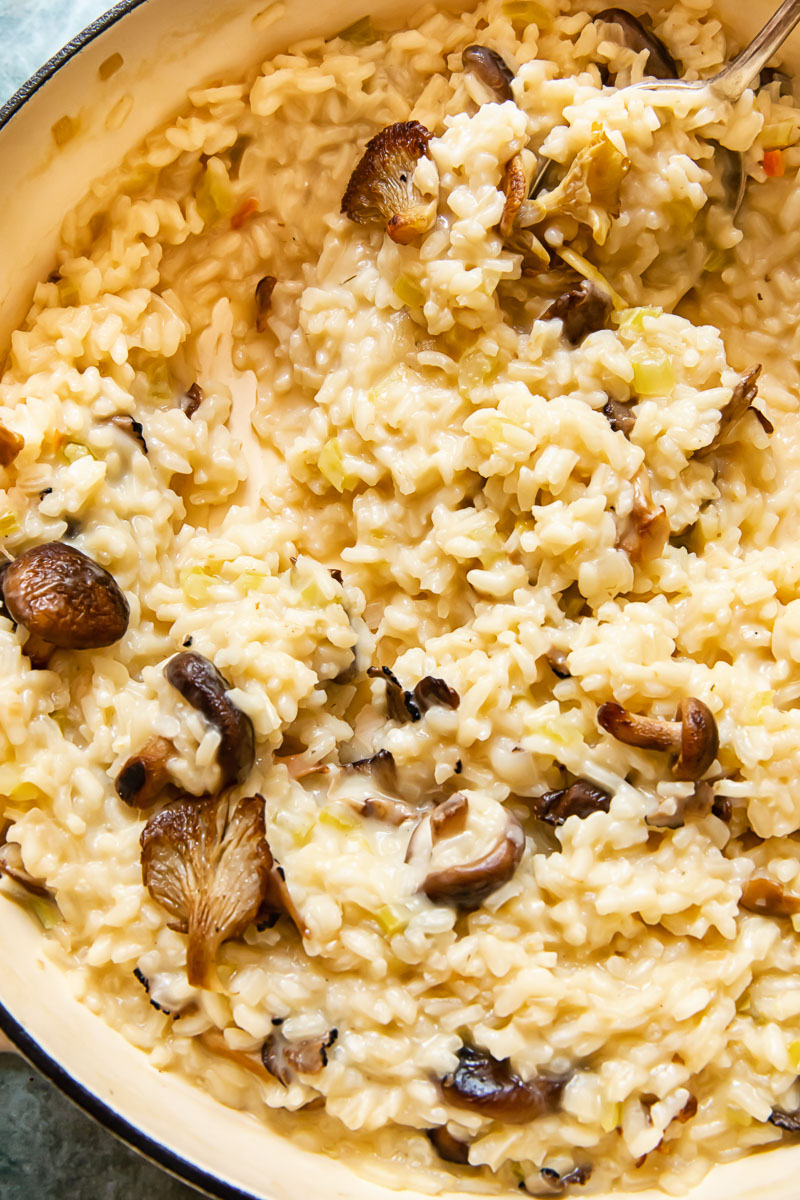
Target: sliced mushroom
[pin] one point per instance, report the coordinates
(278, 902)
(554, 1184)
(557, 660)
(514, 186)
(132, 427)
(192, 400)
(487, 66)
(764, 896)
(449, 818)
(208, 864)
(580, 799)
(619, 416)
(381, 188)
(583, 310)
(740, 403)
(388, 810)
(660, 63)
(467, 885)
(699, 804)
(448, 1147)
(264, 289)
(790, 1121)
(403, 705)
(432, 691)
(11, 864)
(488, 1086)
(381, 766)
(10, 445)
(647, 528)
(65, 598)
(692, 736)
(142, 779)
(286, 1060)
(202, 686)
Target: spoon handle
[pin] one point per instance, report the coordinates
(739, 74)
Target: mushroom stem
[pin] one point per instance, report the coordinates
(693, 735)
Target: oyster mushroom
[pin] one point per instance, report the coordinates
(207, 863)
(646, 529)
(202, 686)
(192, 400)
(554, 1184)
(740, 403)
(493, 72)
(488, 1086)
(285, 1060)
(11, 864)
(264, 289)
(692, 736)
(619, 416)
(64, 598)
(580, 799)
(134, 429)
(402, 705)
(448, 1147)
(515, 187)
(660, 63)
(764, 896)
(432, 691)
(381, 188)
(467, 885)
(583, 310)
(142, 779)
(790, 1121)
(278, 901)
(10, 445)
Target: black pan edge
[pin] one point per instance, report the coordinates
(87, 35)
(109, 1118)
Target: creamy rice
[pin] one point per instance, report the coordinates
(409, 418)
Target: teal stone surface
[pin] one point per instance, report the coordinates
(49, 1150)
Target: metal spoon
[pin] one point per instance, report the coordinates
(733, 80)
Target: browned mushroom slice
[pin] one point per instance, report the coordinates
(202, 686)
(583, 310)
(448, 1147)
(381, 188)
(619, 416)
(264, 289)
(277, 901)
(515, 190)
(450, 817)
(764, 896)
(192, 400)
(467, 885)
(487, 66)
(432, 691)
(207, 863)
(10, 445)
(400, 704)
(381, 766)
(740, 403)
(128, 424)
(65, 598)
(11, 864)
(286, 1060)
(386, 809)
(554, 1184)
(692, 736)
(701, 803)
(142, 779)
(557, 661)
(660, 63)
(488, 1086)
(790, 1121)
(580, 799)
(647, 528)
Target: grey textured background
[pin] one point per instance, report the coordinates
(48, 1149)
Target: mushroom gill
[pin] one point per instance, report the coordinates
(381, 187)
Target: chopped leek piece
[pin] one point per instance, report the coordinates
(392, 919)
(215, 196)
(611, 1116)
(360, 33)
(794, 1055)
(634, 318)
(331, 464)
(196, 584)
(8, 524)
(653, 373)
(43, 908)
(475, 370)
(75, 450)
(409, 291)
(717, 261)
(779, 136)
(527, 12)
(339, 817)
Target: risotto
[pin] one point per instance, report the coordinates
(400, 645)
